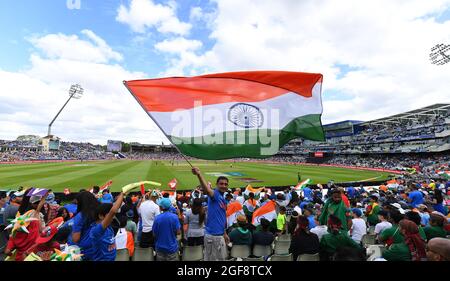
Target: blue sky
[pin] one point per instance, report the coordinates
(373, 55)
(27, 18)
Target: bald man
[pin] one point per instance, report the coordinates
(438, 249)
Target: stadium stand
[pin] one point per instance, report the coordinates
(342, 222)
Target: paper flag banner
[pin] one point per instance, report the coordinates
(37, 192)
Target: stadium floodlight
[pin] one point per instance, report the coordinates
(76, 92)
(440, 54)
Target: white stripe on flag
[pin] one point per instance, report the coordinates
(210, 119)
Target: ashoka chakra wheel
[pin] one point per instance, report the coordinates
(245, 115)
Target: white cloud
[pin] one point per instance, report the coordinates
(178, 45)
(29, 99)
(143, 14)
(73, 48)
(196, 13)
(385, 44)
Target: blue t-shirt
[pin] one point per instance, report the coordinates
(312, 223)
(85, 243)
(440, 208)
(165, 232)
(217, 214)
(304, 204)
(308, 193)
(106, 198)
(103, 243)
(351, 192)
(71, 208)
(424, 218)
(416, 197)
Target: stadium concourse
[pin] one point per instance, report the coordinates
(402, 219)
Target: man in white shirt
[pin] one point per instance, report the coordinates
(383, 224)
(359, 227)
(148, 210)
(319, 230)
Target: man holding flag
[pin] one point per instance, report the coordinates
(216, 239)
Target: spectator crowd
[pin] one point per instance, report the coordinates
(402, 220)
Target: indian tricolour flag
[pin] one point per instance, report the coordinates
(250, 189)
(267, 211)
(302, 184)
(234, 209)
(445, 174)
(236, 114)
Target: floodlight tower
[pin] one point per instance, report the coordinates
(76, 92)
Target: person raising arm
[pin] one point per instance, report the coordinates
(215, 239)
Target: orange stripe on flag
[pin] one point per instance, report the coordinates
(267, 208)
(170, 94)
(254, 190)
(233, 207)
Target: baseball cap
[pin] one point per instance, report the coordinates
(357, 211)
(383, 213)
(398, 207)
(50, 198)
(46, 235)
(165, 203)
(375, 195)
(19, 193)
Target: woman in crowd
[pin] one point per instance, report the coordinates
(22, 240)
(101, 233)
(195, 218)
(82, 223)
(436, 228)
(337, 237)
(413, 247)
(303, 241)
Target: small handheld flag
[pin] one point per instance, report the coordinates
(37, 192)
(173, 184)
(106, 185)
(127, 188)
(303, 184)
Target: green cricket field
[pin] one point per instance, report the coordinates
(77, 175)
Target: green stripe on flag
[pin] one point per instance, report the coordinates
(249, 143)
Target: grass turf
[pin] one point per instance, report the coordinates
(76, 175)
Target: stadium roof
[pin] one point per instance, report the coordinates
(431, 110)
(343, 122)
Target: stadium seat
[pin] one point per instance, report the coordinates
(3, 241)
(282, 247)
(253, 259)
(192, 253)
(284, 237)
(122, 255)
(368, 239)
(143, 254)
(375, 251)
(281, 257)
(260, 250)
(309, 257)
(240, 251)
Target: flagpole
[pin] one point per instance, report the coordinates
(185, 158)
